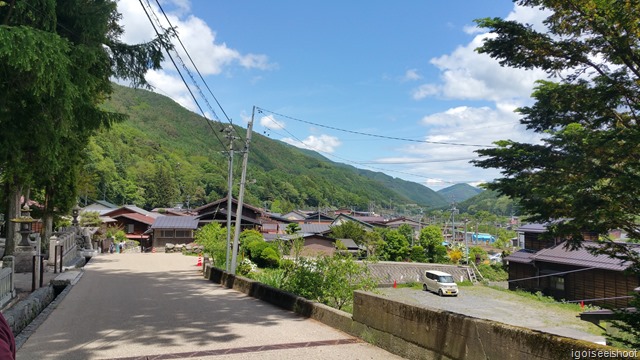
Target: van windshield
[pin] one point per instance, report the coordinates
(445, 279)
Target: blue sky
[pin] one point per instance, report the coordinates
(405, 70)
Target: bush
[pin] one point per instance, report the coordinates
(418, 254)
(269, 258)
(245, 267)
(255, 248)
(493, 272)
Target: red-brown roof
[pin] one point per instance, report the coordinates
(137, 217)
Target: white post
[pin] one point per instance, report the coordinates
(53, 242)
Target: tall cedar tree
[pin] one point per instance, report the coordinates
(56, 61)
(585, 174)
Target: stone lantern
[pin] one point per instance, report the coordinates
(24, 251)
(75, 211)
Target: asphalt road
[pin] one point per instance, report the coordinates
(158, 306)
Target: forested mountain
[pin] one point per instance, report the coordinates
(490, 201)
(459, 192)
(164, 154)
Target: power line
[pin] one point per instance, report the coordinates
(351, 161)
(215, 133)
(373, 135)
(197, 70)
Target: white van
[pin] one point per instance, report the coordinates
(439, 282)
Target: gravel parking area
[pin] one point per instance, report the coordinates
(509, 308)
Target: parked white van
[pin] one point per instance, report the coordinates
(439, 282)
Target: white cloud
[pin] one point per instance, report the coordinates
(270, 122)
(412, 75)
(466, 75)
(173, 87)
(210, 57)
(425, 90)
(322, 143)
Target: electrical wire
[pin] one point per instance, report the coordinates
(215, 133)
(197, 70)
(350, 161)
(373, 135)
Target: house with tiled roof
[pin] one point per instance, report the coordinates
(547, 265)
(174, 230)
(251, 217)
(342, 218)
(134, 221)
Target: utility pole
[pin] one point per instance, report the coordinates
(229, 136)
(454, 211)
(466, 245)
(245, 160)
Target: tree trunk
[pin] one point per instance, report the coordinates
(13, 211)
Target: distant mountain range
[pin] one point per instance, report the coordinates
(164, 154)
(459, 192)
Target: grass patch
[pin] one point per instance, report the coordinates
(547, 300)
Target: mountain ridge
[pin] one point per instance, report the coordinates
(165, 154)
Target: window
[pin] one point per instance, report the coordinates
(129, 228)
(183, 233)
(557, 282)
(166, 233)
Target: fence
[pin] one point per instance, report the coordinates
(7, 287)
(67, 240)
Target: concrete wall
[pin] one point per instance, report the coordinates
(415, 332)
(386, 272)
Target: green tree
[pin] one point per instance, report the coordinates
(373, 242)
(430, 236)
(61, 55)
(585, 171)
(90, 218)
(418, 254)
(348, 230)
(396, 246)
(214, 239)
(407, 231)
(292, 228)
(330, 280)
(431, 239)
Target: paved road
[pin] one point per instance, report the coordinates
(158, 306)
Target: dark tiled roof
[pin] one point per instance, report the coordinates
(532, 228)
(521, 256)
(314, 228)
(175, 222)
(580, 257)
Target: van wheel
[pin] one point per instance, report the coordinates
(424, 287)
(440, 292)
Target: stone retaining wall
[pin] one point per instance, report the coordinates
(415, 332)
(22, 313)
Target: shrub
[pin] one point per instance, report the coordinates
(418, 254)
(268, 258)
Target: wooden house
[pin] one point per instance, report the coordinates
(134, 221)
(174, 230)
(546, 265)
(251, 218)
